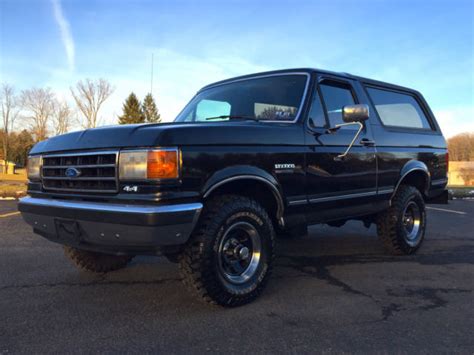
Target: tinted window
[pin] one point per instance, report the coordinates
(316, 114)
(211, 108)
(274, 112)
(399, 110)
(276, 97)
(336, 96)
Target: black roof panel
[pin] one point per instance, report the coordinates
(314, 71)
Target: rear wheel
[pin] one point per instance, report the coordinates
(402, 227)
(96, 262)
(229, 257)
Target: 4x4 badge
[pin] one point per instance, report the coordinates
(129, 188)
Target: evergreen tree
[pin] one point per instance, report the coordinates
(132, 111)
(150, 110)
(22, 143)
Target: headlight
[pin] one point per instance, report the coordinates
(34, 167)
(150, 164)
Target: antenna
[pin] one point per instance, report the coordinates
(151, 84)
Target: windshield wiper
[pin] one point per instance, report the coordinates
(233, 117)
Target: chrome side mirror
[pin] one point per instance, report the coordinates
(355, 113)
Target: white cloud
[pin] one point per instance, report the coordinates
(65, 31)
(455, 120)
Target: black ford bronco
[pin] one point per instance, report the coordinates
(247, 159)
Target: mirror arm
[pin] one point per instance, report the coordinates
(361, 127)
(338, 126)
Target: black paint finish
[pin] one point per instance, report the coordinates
(316, 186)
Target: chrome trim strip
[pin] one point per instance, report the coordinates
(342, 197)
(385, 191)
(297, 202)
(108, 207)
(78, 166)
(90, 191)
(95, 178)
(439, 182)
(303, 98)
(95, 152)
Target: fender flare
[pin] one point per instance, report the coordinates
(409, 167)
(245, 172)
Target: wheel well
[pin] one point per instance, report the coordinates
(256, 190)
(418, 179)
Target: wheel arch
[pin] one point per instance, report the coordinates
(251, 181)
(414, 173)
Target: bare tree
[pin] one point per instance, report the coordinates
(8, 104)
(89, 96)
(62, 117)
(461, 147)
(39, 107)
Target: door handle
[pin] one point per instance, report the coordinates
(367, 142)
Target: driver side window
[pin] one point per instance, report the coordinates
(336, 95)
(316, 113)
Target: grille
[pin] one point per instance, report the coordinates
(81, 172)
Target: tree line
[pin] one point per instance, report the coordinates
(461, 147)
(39, 113)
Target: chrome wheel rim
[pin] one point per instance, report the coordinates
(239, 252)
(412, 220)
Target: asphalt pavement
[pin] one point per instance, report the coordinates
(332, 291)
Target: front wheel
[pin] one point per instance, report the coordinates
(229, 257)
(402, 226)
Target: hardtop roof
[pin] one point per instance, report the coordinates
(314, 71)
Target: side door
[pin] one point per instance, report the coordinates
(338, 188)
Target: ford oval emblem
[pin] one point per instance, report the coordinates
(72, 172)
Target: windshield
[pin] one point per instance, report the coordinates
(274, 98)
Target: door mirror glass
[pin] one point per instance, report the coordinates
(355, 113)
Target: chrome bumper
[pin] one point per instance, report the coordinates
(110, 226)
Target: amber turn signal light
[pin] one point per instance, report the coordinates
(163, 164)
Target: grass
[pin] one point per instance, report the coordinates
(20, 176)
(16, 189)
(13, 185)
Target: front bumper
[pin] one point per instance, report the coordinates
(110, 227)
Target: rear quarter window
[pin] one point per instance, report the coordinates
(397, 109)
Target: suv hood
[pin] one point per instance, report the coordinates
(175, 134)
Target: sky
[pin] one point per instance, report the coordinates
(425, 45)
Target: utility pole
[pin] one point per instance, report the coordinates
(151, 84)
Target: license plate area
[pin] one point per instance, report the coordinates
(68, 230)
